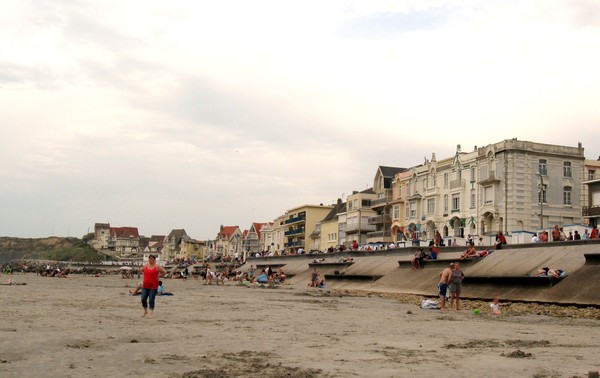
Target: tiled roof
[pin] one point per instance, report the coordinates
(228, 231)
(124, 232)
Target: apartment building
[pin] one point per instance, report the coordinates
(357, 215)
(381, 205)
(511, 186)
(300, 222)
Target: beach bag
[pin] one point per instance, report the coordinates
(429, 304)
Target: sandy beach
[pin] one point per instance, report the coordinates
(89, 326)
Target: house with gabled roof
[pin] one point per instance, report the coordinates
(124, 241)
(229, 240)
(252, 237)
(382, 186)
(173, 242)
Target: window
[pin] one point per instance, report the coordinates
(349, 205)
(456, 202)
(543, 194)
(413, 210)
(366, 203)
(488, 195)
(472, 173)
(445, 204)
(408, 193)
(430, 205)
(446, 180)
(591, 174)
(567, 195)
(396, 212)
(472, 200)
(425, 184)
(567, 169)
(542, 167)
(434, 180)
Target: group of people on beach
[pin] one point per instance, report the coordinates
(451, 281)
(450, 285)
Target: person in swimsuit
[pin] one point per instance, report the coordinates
(456, 285)
(152, 272)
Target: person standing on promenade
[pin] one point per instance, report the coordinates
(443, 285)
(456, 285)
(152, 272)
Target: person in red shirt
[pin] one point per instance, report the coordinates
(594, 233)
(152, 272)
(556, 233)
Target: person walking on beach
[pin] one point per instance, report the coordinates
(152, 272)
(443, 285)
(456, 285)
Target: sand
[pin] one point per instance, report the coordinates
(88, 326)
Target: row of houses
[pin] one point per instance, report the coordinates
(515, 187)
(127, 243)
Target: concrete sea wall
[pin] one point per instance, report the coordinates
(503, 273)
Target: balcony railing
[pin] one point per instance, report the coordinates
(294, 232)
(380, 219)
(354, 228)
(590, 211)
(379, 234)
(299, 243)
(301, 218)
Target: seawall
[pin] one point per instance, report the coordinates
(503, 273)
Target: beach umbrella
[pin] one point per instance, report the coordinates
(125, 268)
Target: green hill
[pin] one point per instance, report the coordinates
(52, 248)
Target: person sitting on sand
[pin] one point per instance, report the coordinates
(469, 253)
(161, 289)
(137, 290)
(495, 306)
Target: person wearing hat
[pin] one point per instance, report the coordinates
(152, 272)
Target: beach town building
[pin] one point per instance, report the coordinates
(172, 244)
(123, 242)
(101, 236)
(192, 249)
(330, 231)
(381, 205)
(591, 200)
(300, 222)
(357, 214)
(252, 239)
(272, 236)
(228, 241)
(514, 187)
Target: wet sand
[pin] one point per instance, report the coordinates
(88, 326)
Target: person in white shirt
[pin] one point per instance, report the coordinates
(495, 306)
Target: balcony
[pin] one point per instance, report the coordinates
(382, 201)
(380, 219)
(457, 183)
(301, 218)
(294, 232)
(362, 228)
(590, 211)
(379, 234)
(299, 243)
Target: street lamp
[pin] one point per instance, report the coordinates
(541, 198)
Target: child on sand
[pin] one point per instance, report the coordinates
(495, 306)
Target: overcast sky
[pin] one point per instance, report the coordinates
(193, 114)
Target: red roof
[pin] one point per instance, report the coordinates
(258, 227)
(124, 232)
(228, 231)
